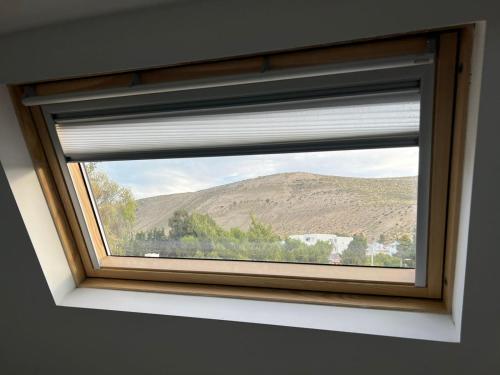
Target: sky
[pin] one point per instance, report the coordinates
(147, 178)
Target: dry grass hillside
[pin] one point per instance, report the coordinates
(296, 203)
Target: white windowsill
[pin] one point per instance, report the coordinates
(415, 325)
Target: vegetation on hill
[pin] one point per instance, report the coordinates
(195, 235)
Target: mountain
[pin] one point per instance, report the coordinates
(297, 203)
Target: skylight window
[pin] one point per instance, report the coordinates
(326, 170)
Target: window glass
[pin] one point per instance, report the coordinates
(355, 207)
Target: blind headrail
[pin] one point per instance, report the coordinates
(231, 80)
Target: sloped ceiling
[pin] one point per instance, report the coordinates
(18, 15)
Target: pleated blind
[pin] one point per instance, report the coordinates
(393, 114)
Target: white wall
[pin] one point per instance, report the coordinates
(37, 337)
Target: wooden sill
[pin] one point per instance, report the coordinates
(266, 269)
(267, 294)
(318, 278)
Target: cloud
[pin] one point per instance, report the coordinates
(155, 177)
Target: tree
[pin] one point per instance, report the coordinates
(406, 251)
(155, 234)
(355, 254)
(386, 260)
(180, 225)
(116, 206)
(197, 235)
(259, 231)
(383, 239)
(203, 226)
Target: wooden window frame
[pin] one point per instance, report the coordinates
(352, 286)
